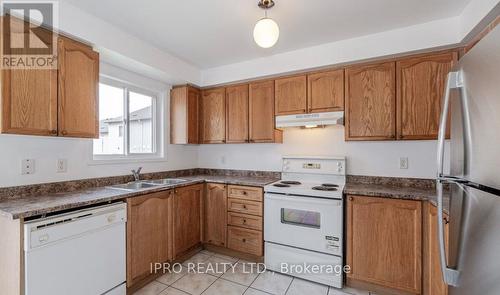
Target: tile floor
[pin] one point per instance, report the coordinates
(219, 279)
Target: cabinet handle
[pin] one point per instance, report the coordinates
(245, 193)
(64, 132)
(244, 221)
(53, 131)
(446, 221)
(244, 206)
(244, 240)
(351, 199)
(176, 191)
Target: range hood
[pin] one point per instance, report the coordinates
(310, 120)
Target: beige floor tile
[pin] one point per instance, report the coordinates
(251, 291)
(172, 291)
(216, 266)
(206, 252)
(301, 287)
(243, 274)
(223, 287)
(172, 277)
(153, 288)
(194, 283)
(272, 282)
(230, 258)
(197, 258)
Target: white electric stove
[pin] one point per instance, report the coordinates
(303, 219)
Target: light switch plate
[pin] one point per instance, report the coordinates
(403, 163)
(27, 166)
(62, 166)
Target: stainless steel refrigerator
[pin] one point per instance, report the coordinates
(472, 99)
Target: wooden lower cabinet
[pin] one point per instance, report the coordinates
(433, 283)
(244, 240)
(384, 242)
(149, 233)
(187, 212)
(215, 204)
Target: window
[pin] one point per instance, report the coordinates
(127, 122)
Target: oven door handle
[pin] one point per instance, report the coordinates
(302, 199)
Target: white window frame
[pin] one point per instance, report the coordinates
(157, 123)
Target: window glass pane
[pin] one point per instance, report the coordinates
(111, 124)
(300, 217)
(140, 123)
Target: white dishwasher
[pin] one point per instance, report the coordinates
(82, 252)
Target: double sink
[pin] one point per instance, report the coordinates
(145, 184)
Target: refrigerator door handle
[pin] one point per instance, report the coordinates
(452, 82)
(450, 275)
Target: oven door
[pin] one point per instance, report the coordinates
(304, 222)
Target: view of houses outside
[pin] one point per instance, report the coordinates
(112, 124)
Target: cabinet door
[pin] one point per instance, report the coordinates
(215, 214)
(325, 91)
(290, 95)
(148, 233)
(261, 112)
(187, 218)
(420, 87)
(384, 242)
(78, 90)
(370, 102)
(29, 96)
(433, 283)
(237, 114)
(213, 124)
(184, 104)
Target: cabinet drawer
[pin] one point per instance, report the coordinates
(244, 240)
(244, 220)
(244, 206)
(245, 192)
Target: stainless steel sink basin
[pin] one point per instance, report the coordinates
(165, 181)
(133, 186)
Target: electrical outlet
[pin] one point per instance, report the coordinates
(62, 165)
(403, 163)
(27, 166)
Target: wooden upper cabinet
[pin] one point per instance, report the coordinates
(184, 105)
(78, 89)
(433, 283)
(261, 112)
(187, 213)
(370, 107)
(28, 96)
(237, 114)
(290, 95)
(421, 82)
(384, 242)
(215, 219)
(149, 233)
(325, 91)
(213, 122)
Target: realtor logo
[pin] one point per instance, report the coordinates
(28, 37)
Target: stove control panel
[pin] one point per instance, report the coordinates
(314, 165)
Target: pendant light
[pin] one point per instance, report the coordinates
(266, 31)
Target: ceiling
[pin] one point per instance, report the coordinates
(214, 33)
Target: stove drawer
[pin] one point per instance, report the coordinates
(245, 192)
(245, 240)
(244, 220)
(244, 206)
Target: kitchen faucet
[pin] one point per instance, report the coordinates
(137, 173)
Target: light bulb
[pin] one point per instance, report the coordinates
(266, 33)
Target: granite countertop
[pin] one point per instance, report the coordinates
(415, 193)
(27, 206)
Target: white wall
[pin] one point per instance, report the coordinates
(47, 150)
(363, 158)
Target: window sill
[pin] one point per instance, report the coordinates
(122, 160)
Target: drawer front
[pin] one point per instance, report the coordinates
(245, 192)
(245, 240)
(244, 220)
(244, 206)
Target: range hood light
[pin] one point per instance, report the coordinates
(311, 126)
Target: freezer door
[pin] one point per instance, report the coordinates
(475, 137)
(472, 266)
